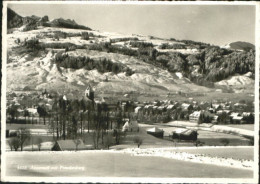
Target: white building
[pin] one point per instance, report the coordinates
(130, 126)
(194, 117)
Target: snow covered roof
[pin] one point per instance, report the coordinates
(185, 105)
(137, 108)
(64, 97)
(161, 107)
(32, 110)
(170, 106)
(70, 145)
(237, 118)
(155, 129)
(234, 114)
(196, 114)
(180, 130)
(246, 113)
(130, 124)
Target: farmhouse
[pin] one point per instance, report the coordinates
(68, 145)
(184, 134)
(237, 119)
(155, 132)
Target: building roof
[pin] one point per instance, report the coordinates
(237, 118)
(155, 129)
(196, 114)
(180, 130)
(170, 106)
(70, 145)
(186, 106)
(234, 114)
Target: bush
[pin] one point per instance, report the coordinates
(14, 143)
(138, 140)
(108, 140)
(13, 134)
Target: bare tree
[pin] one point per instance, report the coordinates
(9, 142)
(138, 140)
(15, 143)
(119, 135)
(39, 143)
(108, 141)
(96, 137)
(23, 135)
(77, 143)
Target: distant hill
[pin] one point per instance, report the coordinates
(242, 46)
(245, 46)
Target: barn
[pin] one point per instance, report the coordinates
(185, 134)
(155, 132)
(68, 145)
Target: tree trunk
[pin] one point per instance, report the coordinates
(57, 127)
(81, 124)
(44, 120)
(88, 120)
(64, 129)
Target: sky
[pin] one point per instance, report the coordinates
(218, 24)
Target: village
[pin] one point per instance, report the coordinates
(48, 119)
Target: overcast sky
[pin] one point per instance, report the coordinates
(218, 24)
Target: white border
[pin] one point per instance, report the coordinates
(121, 179)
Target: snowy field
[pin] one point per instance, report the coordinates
(124, 163)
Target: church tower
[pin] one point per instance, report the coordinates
(89, 93)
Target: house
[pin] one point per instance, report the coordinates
(156, 132)
(239, 106)
(194, 117)
(216, 107)
(170, 107)
(138, 109)
(237, 119)
(130, 126)
(69, 145)
(186, 107)
(32, 111)
(234, 114)
(184, 134)
(215, 119)
(246, 114)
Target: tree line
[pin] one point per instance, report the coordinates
(102, 64)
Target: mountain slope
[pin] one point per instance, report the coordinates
(13, 19)
(62, 55)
